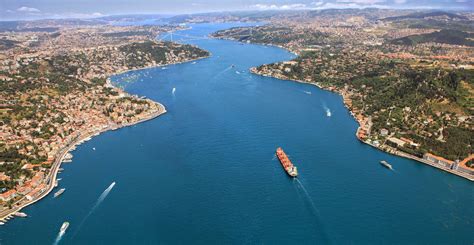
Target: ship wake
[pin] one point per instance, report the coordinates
(59, 237)
(327, 110)
(308, 197)
(220, 73)
(314, 210)
(97, 203)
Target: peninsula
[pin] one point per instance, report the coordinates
(55, 94)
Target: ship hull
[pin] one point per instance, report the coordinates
(285, 162)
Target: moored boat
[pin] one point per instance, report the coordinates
(290, 169)
(20, 214)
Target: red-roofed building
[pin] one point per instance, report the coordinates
(8, 195)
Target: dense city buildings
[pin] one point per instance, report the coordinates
(55, 93)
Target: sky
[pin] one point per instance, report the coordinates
(39, 9)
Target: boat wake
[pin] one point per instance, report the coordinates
(328, 112)
(307, 92)
(59, 237)
(308, 197)
(97, 203)
(222, 72)
(314, 210)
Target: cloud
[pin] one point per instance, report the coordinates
(27, 9)
(399, 1)
(319, 3)
(279, 7)
(351, 6)
(76, 15)
(360, 2)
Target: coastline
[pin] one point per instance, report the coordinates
(51, 178)
(388, 150)
(52, 175)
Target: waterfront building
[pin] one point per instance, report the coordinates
(438, 160)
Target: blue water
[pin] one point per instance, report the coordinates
(205, 172)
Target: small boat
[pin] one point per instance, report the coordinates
(20, 214)
(386, 164)
(232, 66)
(93, 148)
(64, 227)
(61, 191)
(2, 223)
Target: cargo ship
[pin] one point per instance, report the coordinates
(290, 169)
(386, 164)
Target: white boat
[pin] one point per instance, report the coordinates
(64, 227)
(1, 223)
(386, 164)
(59, 192)
(20, 214)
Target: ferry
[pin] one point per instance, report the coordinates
(290, 169)
(64, 227)
(59, 192)
(20, 214)
(386, 164)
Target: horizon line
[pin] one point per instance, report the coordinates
(421, 9)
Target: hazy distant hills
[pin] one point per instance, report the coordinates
(423, 15)
(444, 36)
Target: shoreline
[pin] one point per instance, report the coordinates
(51, 178)
(389, 151)
(52, 175)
